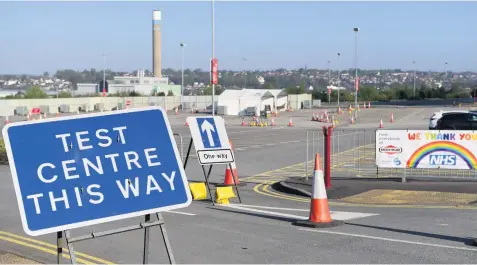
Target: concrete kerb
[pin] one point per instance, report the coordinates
(282, 186)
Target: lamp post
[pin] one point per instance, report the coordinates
(414, 81)
(182, 73)
(245, 72)
(339, 74)
(213, 54)
(104, 75)
(356, 76)
(446, 80)
(329, 81)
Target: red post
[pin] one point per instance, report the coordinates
(327, 141)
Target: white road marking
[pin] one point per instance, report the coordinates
(176, 212)
(388, 239)
(339, 215)
(285, 142)
(266, 212)
(270, 144)
(274, 208)
(336, 215)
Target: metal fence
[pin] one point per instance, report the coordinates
(353, 154)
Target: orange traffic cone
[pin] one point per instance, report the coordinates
(177, 111)
(313, 118)
(320, 215)
(290, 123)
(381, 124)
(352, 120)
(6, 120)
(186, 123)
(392, 118)
(229, 177)
(273, 122)
(243, 122)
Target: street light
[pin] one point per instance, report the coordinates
(356, 76)
(182, 72)
(104, 69)
(104, 75)
(446, 80)
(329, 81)
(414, 86)
(245, 71)
(339, 73)
(213, 54)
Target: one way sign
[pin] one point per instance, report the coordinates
(210, 140)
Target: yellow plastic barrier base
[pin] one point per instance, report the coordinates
(223, 194)
(198, 190)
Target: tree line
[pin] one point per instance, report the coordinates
(399, 92)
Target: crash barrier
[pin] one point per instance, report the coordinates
(352, 153)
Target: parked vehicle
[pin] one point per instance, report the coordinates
(438, 115)
(457, 121)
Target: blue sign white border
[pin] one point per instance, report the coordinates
(99, 220)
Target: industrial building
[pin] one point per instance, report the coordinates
(145, 85)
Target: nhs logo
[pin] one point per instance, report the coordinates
(442, 160)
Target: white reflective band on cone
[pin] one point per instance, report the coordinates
(319, 191)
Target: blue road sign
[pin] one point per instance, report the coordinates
(209, 134)
(82, 170)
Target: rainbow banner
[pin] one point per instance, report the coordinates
(426, 149)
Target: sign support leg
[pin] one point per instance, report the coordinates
(70, 247)
(207, 183)
(145, 253)
(235, 183)
(188, 153)
(167, 244)
(59, 246)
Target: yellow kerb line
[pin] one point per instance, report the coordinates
(102, 261)
(21, 243)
